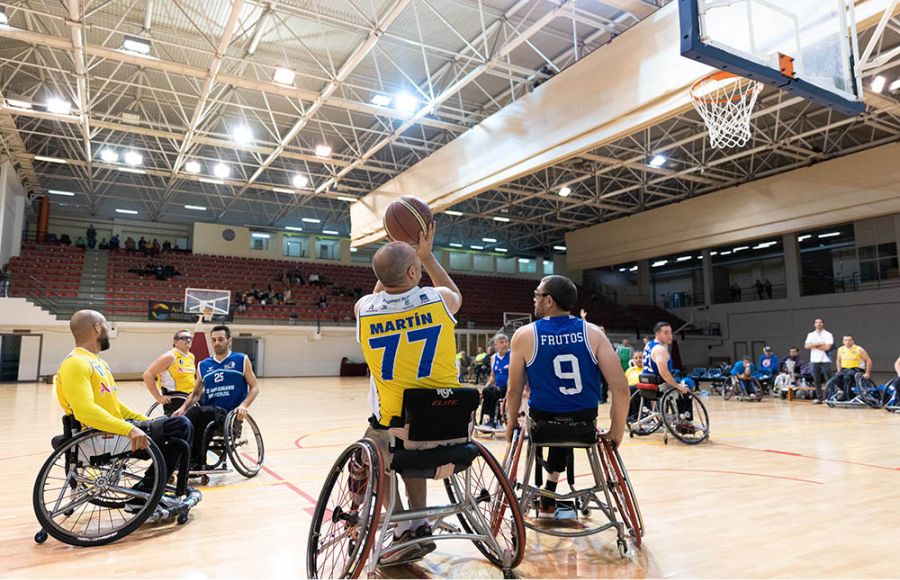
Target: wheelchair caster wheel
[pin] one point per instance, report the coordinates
(622, 546)
(509, 574)
(631, 434)
(204, 479)
(182, 518)
(586, 512)
(40, 537)
(666, 440)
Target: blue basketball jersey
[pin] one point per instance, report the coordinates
(563, 373)
(500, 367)
(224, 385)
(650, 366)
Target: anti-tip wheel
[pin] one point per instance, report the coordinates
(509, 574)
(622, 546)
(182, 518)
(586, 512)
(204, 479)
(40, 537)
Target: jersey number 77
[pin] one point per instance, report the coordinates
(391, 344)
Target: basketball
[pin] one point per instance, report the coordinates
(405, 218)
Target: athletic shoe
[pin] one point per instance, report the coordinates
(491, 424)
(411, 553)
(685, 427)
(817, 401)
(752, 397)
(565, 512)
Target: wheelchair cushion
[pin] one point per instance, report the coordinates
(58, 441)
(563, 430)
(437, 414)
(425, 463)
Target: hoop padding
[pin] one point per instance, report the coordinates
(725, 102)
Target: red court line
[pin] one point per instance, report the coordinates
(721, 471)
(26, 455)
(298, 446)
(803, 456)
(309, 509)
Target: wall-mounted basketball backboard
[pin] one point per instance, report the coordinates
(806, 47)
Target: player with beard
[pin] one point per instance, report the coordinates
(225, 382)
(85, 388)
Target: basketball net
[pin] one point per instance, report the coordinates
(725, 102)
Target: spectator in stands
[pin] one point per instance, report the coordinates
(142, 244)
(80, 243)
(313, 279)
(129, 244)
(114, 242)
(91, 236)
(288, 296)
(156, 248)
(104, 245)
(735, 292)
(768, 364)
(5, 277)
(65, 240)
(851, 359)
(793, 355)
(743, 370)
(768, 286)
(167, 246)
(323, 302)
(625, 353)
(819, 343)
(759, 289)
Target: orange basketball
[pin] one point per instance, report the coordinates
(405, 218)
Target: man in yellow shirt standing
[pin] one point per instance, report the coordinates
(173, 372)
(86, 389)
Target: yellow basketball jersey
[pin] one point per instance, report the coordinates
(180, 375)
(408, 341)
(851, 358)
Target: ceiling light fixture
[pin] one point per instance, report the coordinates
(684, 258)
(565, 191)
(299, 180)
(195, 207)
(136, 170)
(59, 106)
(476, 247)
(58, 192)
(127, 211)
(453, 212)
(828, 235)
(503, 250)
(804, 237)
(354, 250)
(311, 220)
(498, 218)
(109, 156)
(293, 228)
(4, 19)
(133, 158)
(489, 240)
(633, 269)
(728, 253)
(242, 135)
(895, 86)
(18, 104)
(136, 45)
(406, 103)
(260, 236)
(657, 161)
(323, 150)
(878, 84)
(740, 249)
(50, 159)
(284, 76)
(331, 232)
(192, 167)
(382, 100)
(560, 248)
(524, 261)
(283, 190)
(455, 245)
(347, 198)
(212, 181)
(221, 170)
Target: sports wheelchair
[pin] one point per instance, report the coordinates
(734, 387)
(618, 503)
(499, 424)
(224, 439)
(84, 494)
(655, 410)
(865, 392)
(891, 396)
(432, 439)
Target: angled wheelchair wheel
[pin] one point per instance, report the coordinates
(647, 420)
(619, 484)
(244, 444)
(513, 455)
(498, 507)
(345, 521)
(690, 428)
(729, 387)
(85, 493)
(156, 410)
(868, 391)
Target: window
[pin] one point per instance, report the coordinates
(483, 263)
(257, 242)
(527, 266)
(878, 262)
(295, 247)
(548, 267)
(506, 265)
(328, 249)
(459, 261)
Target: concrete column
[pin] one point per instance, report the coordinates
(443, 258)
(791, 265)
(345, 251)
(313, 252)
(539, 266)
(707, 278)
(643, 278)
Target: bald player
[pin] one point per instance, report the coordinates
(86, 389)
(407, 336)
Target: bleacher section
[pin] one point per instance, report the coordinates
(44, 270)
(485, 298)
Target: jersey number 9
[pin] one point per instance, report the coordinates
(572, 375)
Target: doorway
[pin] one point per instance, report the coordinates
(251, 346)
(20, 357)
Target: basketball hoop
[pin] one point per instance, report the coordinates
(725, 102)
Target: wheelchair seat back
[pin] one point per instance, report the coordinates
(434, 431)
(565, 431)
(71, 427)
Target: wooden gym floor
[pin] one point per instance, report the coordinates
(783, 489)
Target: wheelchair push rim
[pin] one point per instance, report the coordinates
(245, 450)
(156, 410)
(620, 488)
(345, 520)
(491, 490)
(674, 424)
(82, 489)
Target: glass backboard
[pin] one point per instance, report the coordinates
(807, 47)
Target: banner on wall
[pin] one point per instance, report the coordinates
(166, 311)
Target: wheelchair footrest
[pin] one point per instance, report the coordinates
(170, 506)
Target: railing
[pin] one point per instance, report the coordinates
(679, 299)
(752, 294)
(851, 283)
